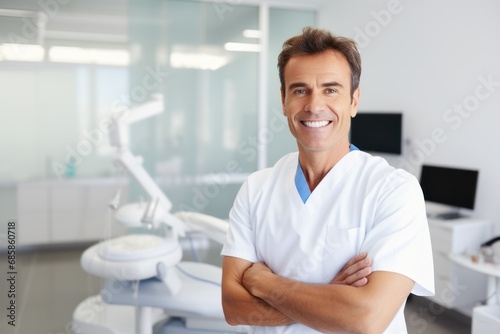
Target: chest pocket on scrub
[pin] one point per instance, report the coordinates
(341, 245)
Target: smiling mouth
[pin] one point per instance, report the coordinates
(317, 124)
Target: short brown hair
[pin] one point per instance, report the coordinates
(313, 41)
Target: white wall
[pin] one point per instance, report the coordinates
(428, 59)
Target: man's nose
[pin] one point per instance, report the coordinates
(315, 103)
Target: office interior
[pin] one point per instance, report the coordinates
(68, 66)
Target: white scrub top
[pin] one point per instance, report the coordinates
(362, 204)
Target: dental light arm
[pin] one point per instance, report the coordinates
(135, 168)
(158, 209)
(119, 134)
(119, 137)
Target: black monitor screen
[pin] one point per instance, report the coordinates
(377, 132)
(451, 186)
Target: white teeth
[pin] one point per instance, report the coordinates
(316, 124)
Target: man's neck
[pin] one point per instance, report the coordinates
(315, 165)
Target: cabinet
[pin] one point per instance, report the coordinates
(458, 287)
(486, 319)
(70, 211)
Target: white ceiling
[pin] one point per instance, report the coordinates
(78, 21)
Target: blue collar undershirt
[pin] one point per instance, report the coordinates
(301, 183)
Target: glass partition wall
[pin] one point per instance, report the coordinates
(222, 118)
(194, 148)
(214, 63)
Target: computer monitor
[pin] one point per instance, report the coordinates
(455, 187)
(379, 132)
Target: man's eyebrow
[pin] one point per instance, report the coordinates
(326, 84)
(332, 84)
(297, 85)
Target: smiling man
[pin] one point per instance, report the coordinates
(294, 226)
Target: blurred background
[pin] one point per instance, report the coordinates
(66, 66)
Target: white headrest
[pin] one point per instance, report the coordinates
(135, 247)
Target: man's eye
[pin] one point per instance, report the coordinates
(300, 91)
(330, 91)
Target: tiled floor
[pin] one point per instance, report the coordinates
(51, 283)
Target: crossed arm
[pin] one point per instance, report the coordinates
(356, 300)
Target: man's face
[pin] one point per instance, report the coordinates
(317, 100)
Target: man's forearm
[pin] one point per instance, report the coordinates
(332, 308)
(242, 308)
(306, 303)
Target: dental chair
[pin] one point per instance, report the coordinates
(148, 288)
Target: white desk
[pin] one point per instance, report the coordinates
(456, 286)
(490, 269)
(485, 319)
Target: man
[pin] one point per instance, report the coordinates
(293, 226)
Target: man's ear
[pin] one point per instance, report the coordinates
(354, 102)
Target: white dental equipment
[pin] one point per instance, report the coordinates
(147, 286)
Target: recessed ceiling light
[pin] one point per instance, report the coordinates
(242, 47)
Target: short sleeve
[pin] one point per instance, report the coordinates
(399, 240)
(240, 240)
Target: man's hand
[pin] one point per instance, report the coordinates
(355, 272)
(253, 274)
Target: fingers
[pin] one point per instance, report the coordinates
(360, 282)
(355, 271)
(359, 277)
